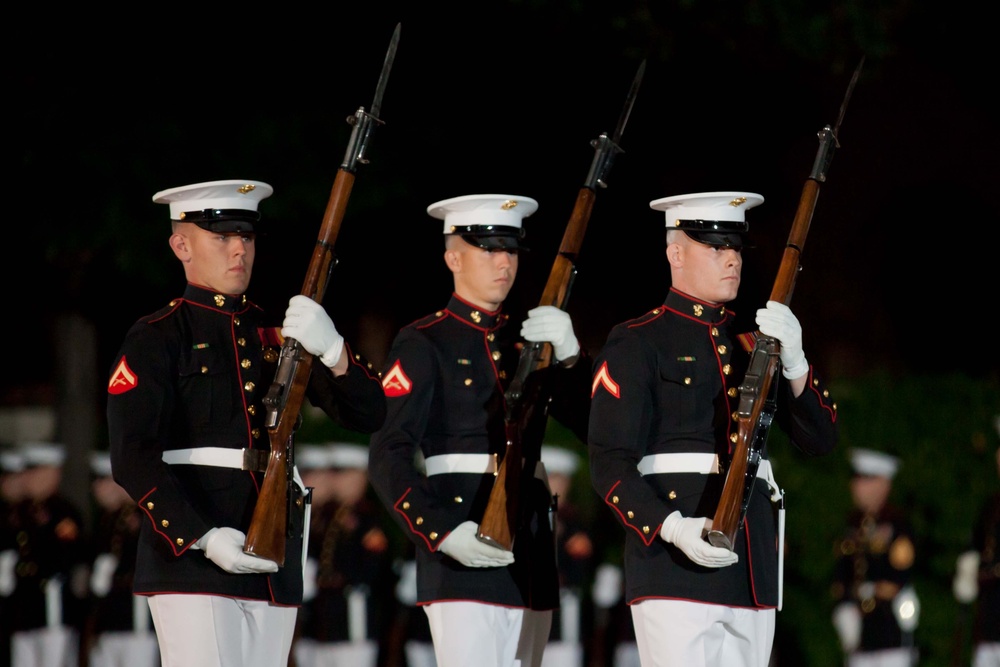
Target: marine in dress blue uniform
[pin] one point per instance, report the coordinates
(444, 380)
(662, 425)
(877, 608)
(186, 419)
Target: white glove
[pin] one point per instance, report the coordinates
(777, 321)
(309, 572)
(607, 589)
(688, 535)
(224, 547)
(102, 574)
(965, 585)
(548, 324)
(463, 545)
(307, 322)
(8, 582)
(406, 587)
(906, 609)
(847, 623)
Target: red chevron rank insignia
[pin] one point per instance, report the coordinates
(123, 379)
(395, 383)
(603, 379)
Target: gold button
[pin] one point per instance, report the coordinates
(369, 365)
(236, 320)
(270, 355)
(490, 336)
(476, 316)
(165, 523)
(241, 341)
(672, 495)
(357, 357)
(715, 331)
(433, 535)
(245, 363)
(420, 520)
(438, 314)
(722, 349)
(149, 506)
(496, 355)
(255, 433)
(687, 380)
(834, 407)
(826, 393)
(252, 409)
(733, 391)
(468, 382)
(180, 541)
(656, 311)
(815, 382)
(645, 530)
(727, 369)
(204, 370)
(631, 514)
(697, 309)
(220, 300)
(406, 505)
(736, 416)
(614, 499)
(458, 499)
(733, 437)
(722, 311)
(249, 386)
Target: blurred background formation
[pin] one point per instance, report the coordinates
(895, 294)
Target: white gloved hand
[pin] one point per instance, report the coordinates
(224, 547)
(102, 574)
(406, 587)
(688, 535)
(965, 585)
(309, 572)
(8, 582)
(307, 322)
(777, 321)
(463, 545)
(607, 589)
(548, 324)
(847, 623)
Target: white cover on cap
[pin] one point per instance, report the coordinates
(346, 455)
(311, 457)
(730, 206)
(559, 460)
(872, 463)
(231, 194)
(43, 454)
(501, 210)
(11, 461)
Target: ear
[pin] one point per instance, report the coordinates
(675, 255)
(179, 244)
(453, 260)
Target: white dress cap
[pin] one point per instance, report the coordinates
(871, 463)
(502, 210)
(189, 203)
(11, 461)
(311, 457)
(43, 454)
(347, 455)
(559, 460)
(720, 206)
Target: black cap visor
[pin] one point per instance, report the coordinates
(492, 237)
(719, 233)
(224, 221)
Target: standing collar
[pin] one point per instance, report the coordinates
(695, 309)
(228, 303)
(474, 315)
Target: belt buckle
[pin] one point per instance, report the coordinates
(255, 460)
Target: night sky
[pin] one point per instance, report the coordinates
(505, 97)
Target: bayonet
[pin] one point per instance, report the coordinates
(605, 148)
(365, 121)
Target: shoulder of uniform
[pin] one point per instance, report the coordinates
(429, 320)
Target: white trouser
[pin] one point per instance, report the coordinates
(487, 635)
(216, 631)
(987, 654)
(676, 633)
(45, 647)
(888, 657)
(125, 649)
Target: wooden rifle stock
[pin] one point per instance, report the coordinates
(526, 413)
(758, 390)
(269, 526)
